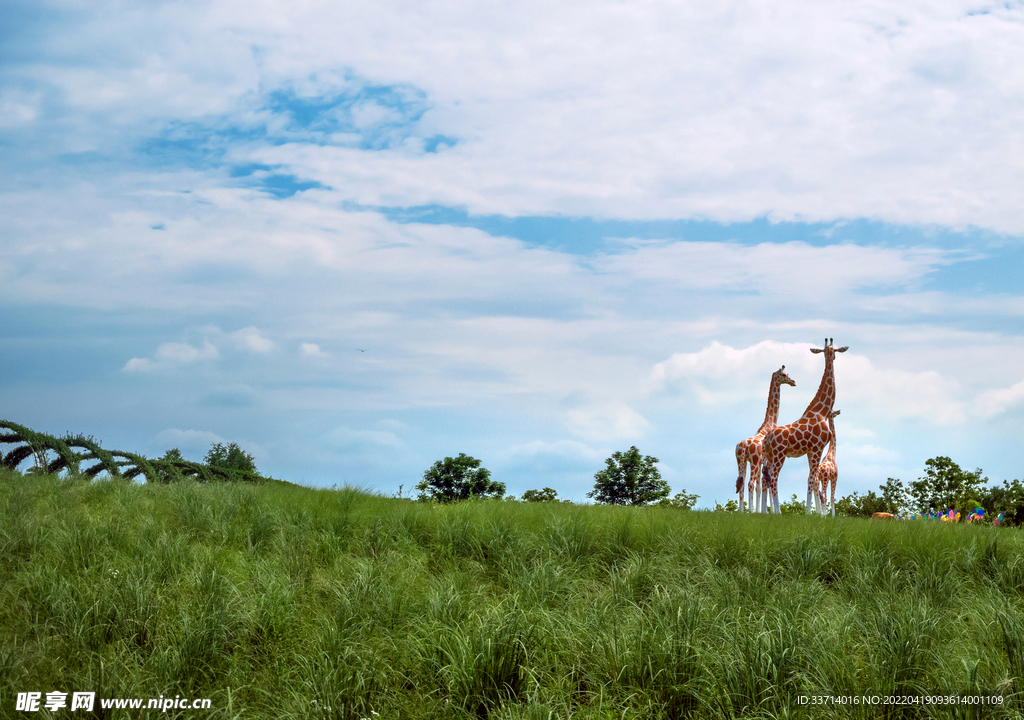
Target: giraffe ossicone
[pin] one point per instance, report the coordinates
(749, 451)
(806, 436)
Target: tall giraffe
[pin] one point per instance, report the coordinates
(749, 450)
(828, 473)
(807, 436)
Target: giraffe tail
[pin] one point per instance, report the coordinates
(739, 484)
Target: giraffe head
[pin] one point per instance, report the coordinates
(830, 350)
(780, 377)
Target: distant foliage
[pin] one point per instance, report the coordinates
(230, 457)
(460, 478)
(945, 486)
(81, 455)
(1008, 499)
(173, 455)
(682, 500)
(855, 505)
(730, 506)
(545, 495)
(795, 506)
(629, 479)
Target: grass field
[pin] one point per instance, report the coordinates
(278, 601)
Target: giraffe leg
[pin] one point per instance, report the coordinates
(763, 500)
(767, 484)
(750, 490)
(756, 463)
(770, 479)
(755, 489)
(813, 459)
(741, 463)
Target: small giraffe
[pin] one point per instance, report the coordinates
(807, 436)
(749, 450)
(828, 472)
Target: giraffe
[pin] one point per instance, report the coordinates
(807, 436)
(828, 473)
(749, 450)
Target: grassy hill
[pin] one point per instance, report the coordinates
(278, 601)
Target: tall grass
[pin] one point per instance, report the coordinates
(281, 601)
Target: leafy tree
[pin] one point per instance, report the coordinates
(629, 479)
(682, 500)
(460, 478)
(945, 486)
(895, 497)
(229, 457)
(545, 495)
(730, 506)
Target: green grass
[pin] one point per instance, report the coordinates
(286, 602)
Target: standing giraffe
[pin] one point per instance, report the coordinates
(749, 450)
(828, 473)
(807, 436)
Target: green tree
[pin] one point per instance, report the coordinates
(629, 479)
(545, 495)
(454, 479)
(945, 485)
(227, 457)
(895, 497)
(730, 506)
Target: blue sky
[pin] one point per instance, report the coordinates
(358, 238)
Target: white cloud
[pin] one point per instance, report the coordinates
(251, 340)
(606, 422)
(997, 401)
(718, 361)
(16, 109)
(171, 355)
(311, 350)
(558, 452)
(722, 375)
(793, 269)
(713, 111)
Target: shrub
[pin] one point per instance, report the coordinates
(545, 495)
(682, 500)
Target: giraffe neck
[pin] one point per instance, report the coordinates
(825, 398)
(771, 414)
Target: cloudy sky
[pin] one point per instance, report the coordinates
(358, 237)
